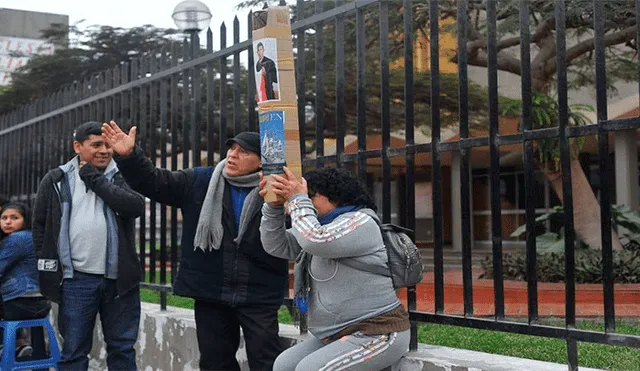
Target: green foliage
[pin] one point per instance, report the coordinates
(150, 296)
(550, 266)
(550, 248)
(552, 242)
(545, 114)
(592, 355)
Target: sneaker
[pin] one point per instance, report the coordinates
(24, 351)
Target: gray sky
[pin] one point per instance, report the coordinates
(131, 13)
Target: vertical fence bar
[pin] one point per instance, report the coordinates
(340, 77)
(529, 175)
(125, 98)
(251, 82)
(99, 105)
(302, 102)
(153, 154)
(605, 168)
(186, 97)
(143, 135)
(300, 85)
(565, 160)
(361, 93)
(319, 71)
(86, 112)
(51, 133)
(15, 159)
(4, 147)
(164, 64)
(45, 140)
(116, 109)
(134, 98)
(20, 169)
(237, 112)
(435, 152)
(638, 41)
(28, 158)
(385, 107)
(223, 93)
(7, 161)
(13, 176)
(25, 162)
(175, 103)
(465, 199)
(410, 190)
(108, 102)
(210, 105)
(196, 96)
(494, 153)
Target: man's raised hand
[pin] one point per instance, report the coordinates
(121, 142)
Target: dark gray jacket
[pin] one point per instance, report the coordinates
(52, 193)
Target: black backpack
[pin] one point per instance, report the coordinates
(405, 261)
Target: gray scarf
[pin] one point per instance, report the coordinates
(210, 231)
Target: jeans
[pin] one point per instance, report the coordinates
(218, 329)
(83, 297)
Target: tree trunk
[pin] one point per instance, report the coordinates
(586, 209)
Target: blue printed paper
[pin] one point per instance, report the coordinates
(272, 142)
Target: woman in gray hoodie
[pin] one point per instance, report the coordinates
(355, 317)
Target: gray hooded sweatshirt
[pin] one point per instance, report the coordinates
(340, 296)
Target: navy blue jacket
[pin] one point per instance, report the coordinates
(18, 271)
(234, 275)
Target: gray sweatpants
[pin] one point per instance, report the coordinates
(356, 352)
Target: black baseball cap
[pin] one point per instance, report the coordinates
(248, 140)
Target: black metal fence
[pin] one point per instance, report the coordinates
(186, 102)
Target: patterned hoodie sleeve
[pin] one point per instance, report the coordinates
(351, 234)
(276, 240)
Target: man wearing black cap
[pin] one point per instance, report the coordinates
(223, 266)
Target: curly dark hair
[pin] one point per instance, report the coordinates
(340, 187)
(23, 210)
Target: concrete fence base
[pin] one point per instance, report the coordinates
(167, 341)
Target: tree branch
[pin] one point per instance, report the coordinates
(586, 46)
(478, 41)
(506, 62)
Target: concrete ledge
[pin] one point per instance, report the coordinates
(167, 341)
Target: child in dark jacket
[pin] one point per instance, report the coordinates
(21, 298)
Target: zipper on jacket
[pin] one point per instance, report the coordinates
(57, 190)
(235, 272)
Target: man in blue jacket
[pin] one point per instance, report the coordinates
(223, 266)
(84, 237)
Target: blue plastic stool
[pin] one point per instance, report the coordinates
(11, 328)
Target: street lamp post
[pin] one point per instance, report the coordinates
(191, 16)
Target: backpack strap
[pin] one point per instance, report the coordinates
(353, 262)
(356, 264)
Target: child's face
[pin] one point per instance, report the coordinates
(11, 220)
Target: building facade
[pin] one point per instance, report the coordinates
(21, 38)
